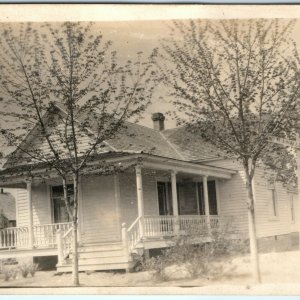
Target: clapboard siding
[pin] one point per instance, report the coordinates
(41, 205)
(233, 195)
(128, 195)
(234, 189)
(128, 198)
(22, 207)
(150, 193)
(267, 224)
(99, 210)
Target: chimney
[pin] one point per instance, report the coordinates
(158, 121)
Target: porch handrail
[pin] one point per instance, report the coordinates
(134, 224)
(67, 242)
(134, 234)
(64, 244)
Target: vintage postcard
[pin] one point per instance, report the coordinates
(149, 149)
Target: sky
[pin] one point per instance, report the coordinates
(134, 28)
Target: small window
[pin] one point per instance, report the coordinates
(292, 207)
(273, 203)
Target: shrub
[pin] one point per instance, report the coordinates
(200, 252)
(9, 272)
(157, 266)
(27, 268)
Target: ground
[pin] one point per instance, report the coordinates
(280, 275)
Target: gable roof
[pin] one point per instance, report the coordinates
(141, 139)
(176, 143)
(191, 146)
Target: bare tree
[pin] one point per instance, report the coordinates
(237, 84)
(94, 92)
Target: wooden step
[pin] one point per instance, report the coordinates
(100, 247)
(102, 260)
(98, 267)
(99, 254)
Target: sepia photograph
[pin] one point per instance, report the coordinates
(150, 149)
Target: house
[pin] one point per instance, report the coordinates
(172, 180)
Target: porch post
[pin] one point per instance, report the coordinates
(140, 197)
(30, 215)
(175, 200)
(206, 202)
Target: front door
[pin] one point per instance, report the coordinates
(60, 213)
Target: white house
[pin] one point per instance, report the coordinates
(173, 180)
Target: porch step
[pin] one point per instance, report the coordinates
(98, 257)
(100, 247)
(100, 254)
(98, 267)
(103, 260)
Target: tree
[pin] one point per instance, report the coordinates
(95, 91)
(236, 84)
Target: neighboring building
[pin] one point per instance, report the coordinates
(173, 179)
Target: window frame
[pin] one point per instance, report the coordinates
(273, 203)
(292, 208)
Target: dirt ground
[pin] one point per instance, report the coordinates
(280, 274)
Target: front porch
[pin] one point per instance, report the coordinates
(52, 237)
(144, 208)
(56, 240)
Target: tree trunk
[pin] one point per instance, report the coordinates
(74, 217)
(252, 230)
(75, 271)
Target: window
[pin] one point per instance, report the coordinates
(273, 204)
(164, 191)
(212, 198)
(292, 208)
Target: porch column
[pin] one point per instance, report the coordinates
(140, 197)
(206, 202)
(30, 215)
(175, 201)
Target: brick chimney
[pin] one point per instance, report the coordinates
(158, 121)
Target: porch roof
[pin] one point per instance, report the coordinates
(165, 163)
(17, 176)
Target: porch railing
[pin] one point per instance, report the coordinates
(160, 226)
(14, 236)
(134, 234)
(44, 236)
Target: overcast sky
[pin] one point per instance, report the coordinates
(142, 27)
